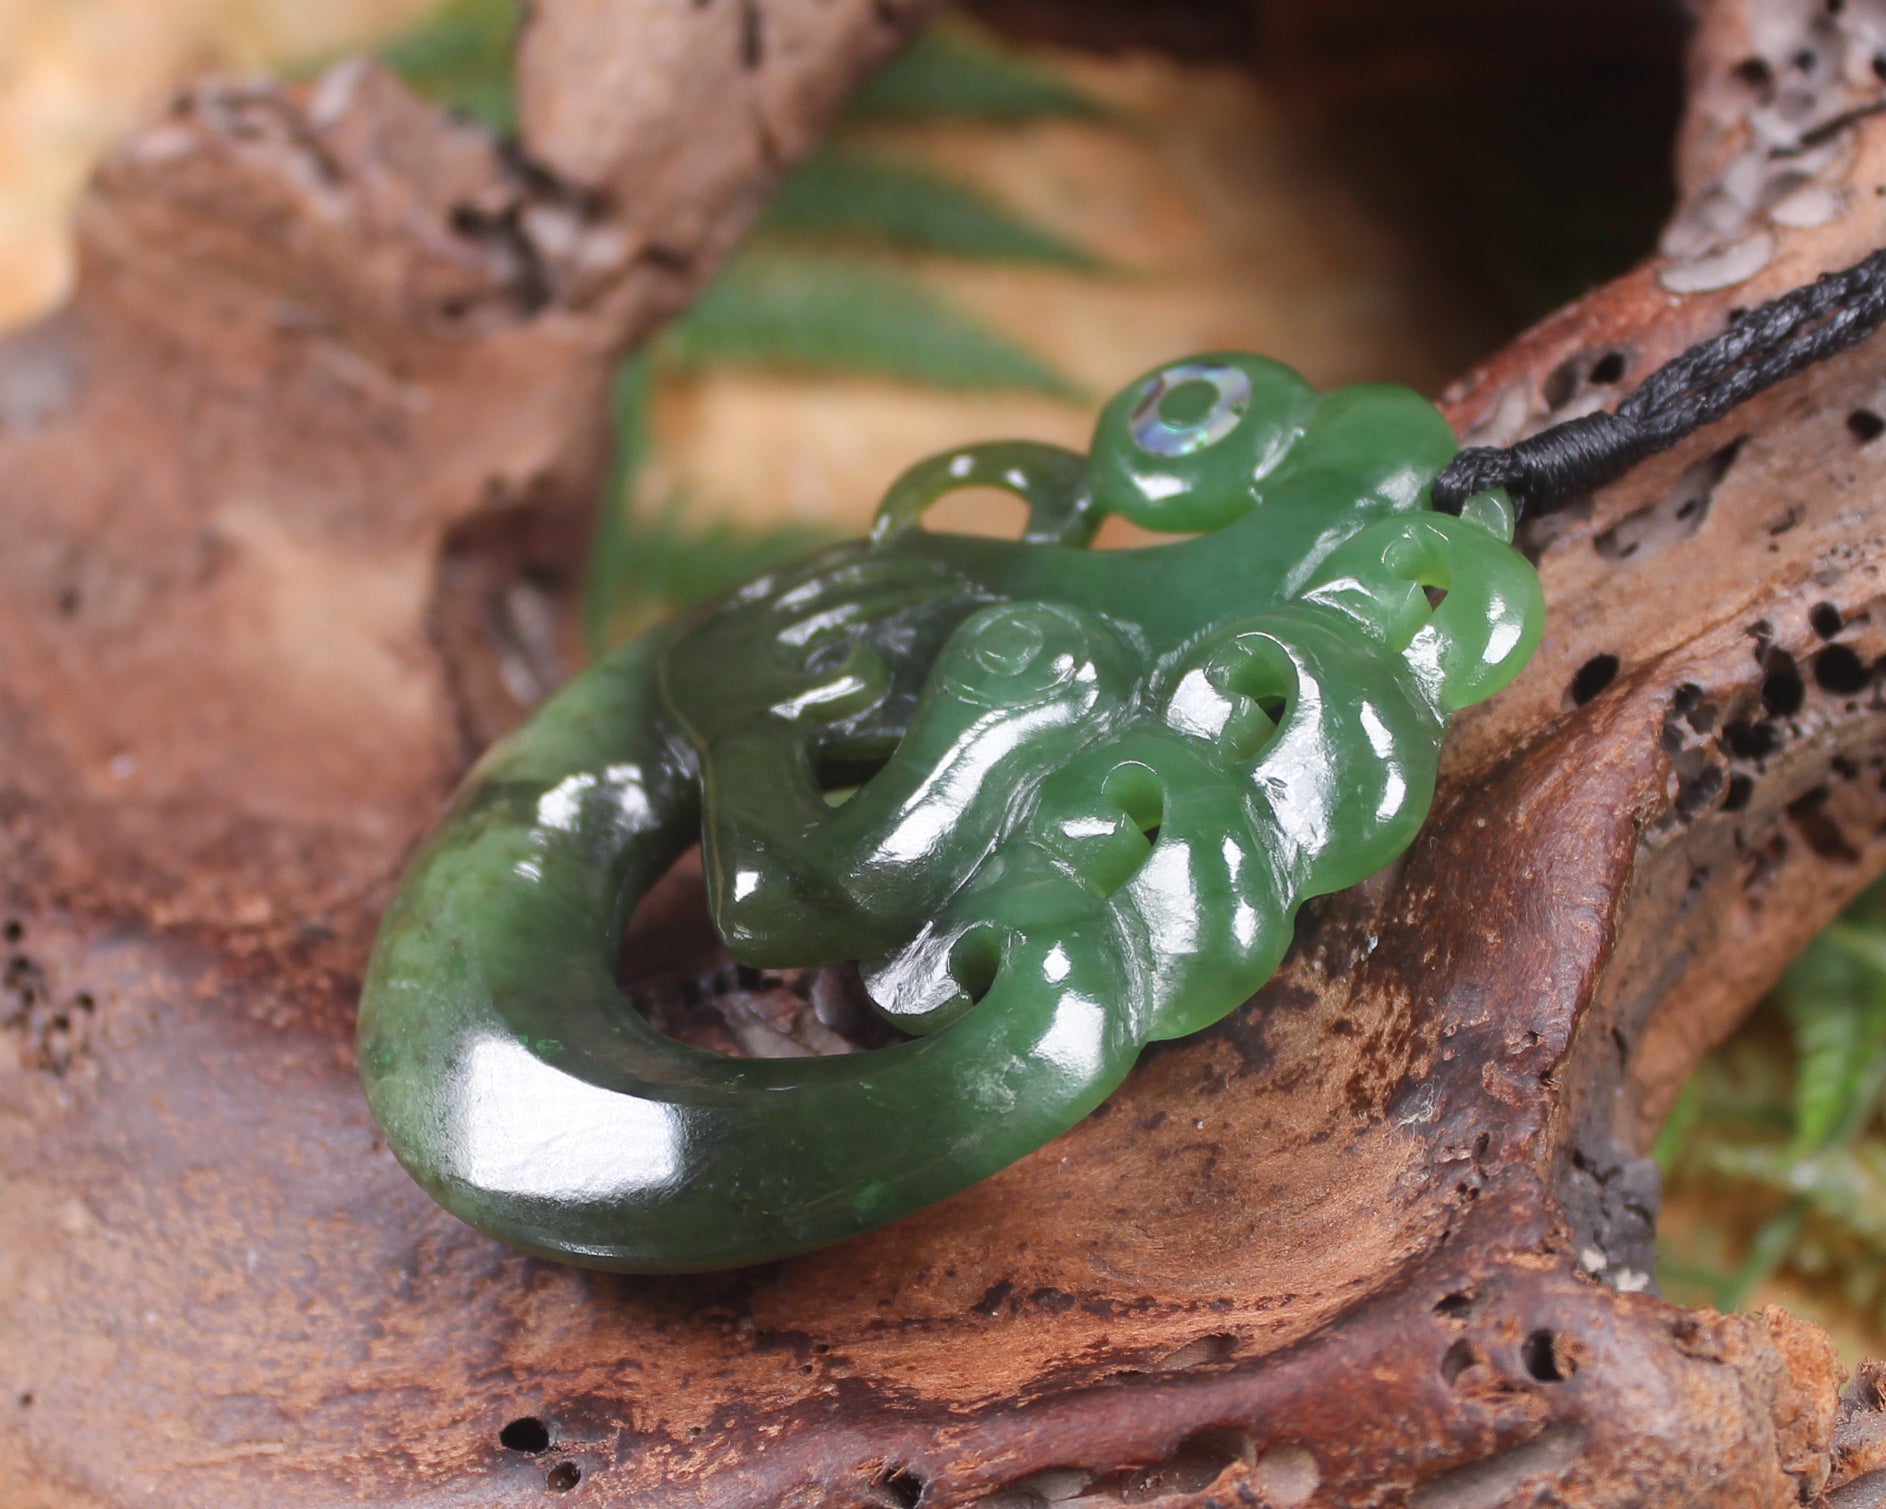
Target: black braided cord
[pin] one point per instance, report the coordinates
(1761, 347)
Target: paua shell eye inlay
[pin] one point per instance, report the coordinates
(1191, 405)
(1097, 786)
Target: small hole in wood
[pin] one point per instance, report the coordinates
(1751, 741)
(1865, 426)
(1457, 1359)
(1593, 677)
(1543, 1358)
(1783, 691)
(1697, 791)
(903, 1488)
(1455, 1306)
(1826, 620)
(526, 1434)
(1561, 383)
(1693, 707)
(1754, 72)
(1200, 1460)
(1608, 368)
(1838, 670)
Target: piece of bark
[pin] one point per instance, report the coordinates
(294, 492)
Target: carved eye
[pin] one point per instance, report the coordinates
(1188, 407)
(1188, 446)
(1017, 655)
(1007, 644)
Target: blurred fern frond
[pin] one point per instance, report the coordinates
(460, 57)
(1835, 999)
(829, 315)
(1820, 1171)
(1844, 1185)
(843, 193)
(671, 557)
(647, 563)
(783, 304)
(613, 568)
(951, 71)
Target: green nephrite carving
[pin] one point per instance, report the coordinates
(1093, 787)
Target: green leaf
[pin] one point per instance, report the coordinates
(1766, 1253)
(950, 71)
(460, 57)
(825, 315)
(1835, 998)
(1846, 1186)
(643, 567)
(1828, 1172)
(864, 196)
(613, 565)
(670, 559)
(1836, 1211)
(1673, 1141)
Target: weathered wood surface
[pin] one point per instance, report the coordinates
(294, 493)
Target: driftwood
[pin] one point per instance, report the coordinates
(295, 490)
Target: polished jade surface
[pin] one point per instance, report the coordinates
(1091, 789)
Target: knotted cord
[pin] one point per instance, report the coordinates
(1762, 346)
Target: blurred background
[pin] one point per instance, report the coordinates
(1039, 200)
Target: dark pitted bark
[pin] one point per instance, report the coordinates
(294, 492)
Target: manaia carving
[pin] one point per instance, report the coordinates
(1057, 802)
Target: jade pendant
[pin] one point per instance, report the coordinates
(1092, 788)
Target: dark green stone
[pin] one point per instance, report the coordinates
(1092, 789)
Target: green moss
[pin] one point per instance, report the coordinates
(460, 57)
(851, 195)
(830, 315)
(1784, 1123)
(952, 71)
